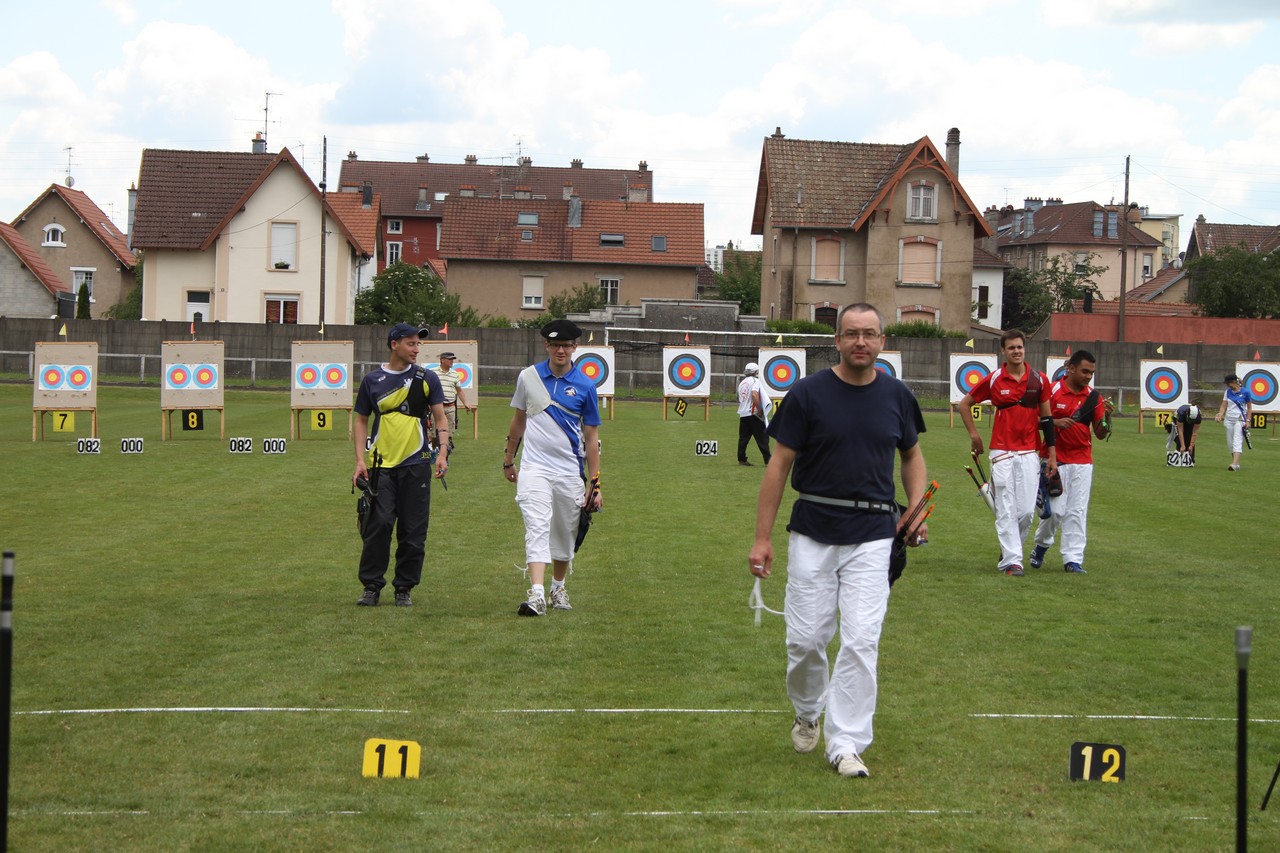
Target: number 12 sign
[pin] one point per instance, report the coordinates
(1097, 762)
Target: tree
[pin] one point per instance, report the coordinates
(82, 303)
(1234, 282)
(740, 280)
(407, 293)
(580, 300)
(1030, 297)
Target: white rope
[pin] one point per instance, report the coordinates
(756, 602)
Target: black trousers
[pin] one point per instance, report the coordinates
(748, 428)
(403, 502)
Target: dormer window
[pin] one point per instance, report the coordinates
(659, 243)
(527, 218)
(922, 200)
(55, 235)
(617, 240)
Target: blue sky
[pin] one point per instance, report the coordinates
(1049, 97)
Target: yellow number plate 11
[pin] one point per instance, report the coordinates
(396, 758)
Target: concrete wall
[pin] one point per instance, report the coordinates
(21, 293)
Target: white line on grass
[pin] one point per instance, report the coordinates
(209, 710)
(637, 711)
(1115, 717)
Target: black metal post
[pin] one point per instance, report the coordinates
(1244, 645)
(6, 691)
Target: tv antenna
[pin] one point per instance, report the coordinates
(266, 113)
(69, 181)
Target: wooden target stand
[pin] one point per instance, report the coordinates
(609, 403)
(953, 408)
(706, 405)
(295, 421)
(166, 419)
(37, 419)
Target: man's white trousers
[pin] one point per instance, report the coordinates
(1070, 513)
(823, 582)
(1015, 475)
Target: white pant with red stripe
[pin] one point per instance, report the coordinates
(1015, 476)
(823, 580)
(1070, 513)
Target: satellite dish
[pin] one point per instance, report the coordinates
(71, 182)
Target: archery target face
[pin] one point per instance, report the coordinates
(780, 369)
(78, 377)
(335, 375)
(596, 363)
(1163, 384)
(52, 377)
(967, 370)
(205, 377)
(466, 376)
(1260, 379)
(890, 364)
(686, 372)
(177, 376)
(307, 375)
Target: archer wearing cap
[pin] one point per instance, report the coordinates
(394, 458)
(558, 419)
(451, 382)
(753, 413)
(1234, 413)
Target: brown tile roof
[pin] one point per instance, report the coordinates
(478, 228)
(187, 198)
(183, 196)
(93, 218)
(1209, 237)
(399, 182)
(812, 184)
(1153, 287)
(1146, 309)
(1064, 225)
(361, 221)
(983, 258)
(31, 260)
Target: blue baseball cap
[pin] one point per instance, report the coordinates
(404, 330)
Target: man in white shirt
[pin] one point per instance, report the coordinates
(753, 413)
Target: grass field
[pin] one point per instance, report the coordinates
(158, 593)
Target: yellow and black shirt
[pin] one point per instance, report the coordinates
(400, 404)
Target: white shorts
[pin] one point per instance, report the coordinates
(550, 503)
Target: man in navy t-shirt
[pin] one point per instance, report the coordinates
(837, 433)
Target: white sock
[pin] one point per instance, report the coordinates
(555, 584)
(540, 590)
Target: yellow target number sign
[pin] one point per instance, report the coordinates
(321, 419)
(395, 758)
(64, 421)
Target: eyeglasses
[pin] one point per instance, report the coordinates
(562, 345)
(851, 335)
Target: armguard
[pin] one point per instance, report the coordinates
(1050, 434)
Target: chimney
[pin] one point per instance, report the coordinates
(1031, 221)
(992, 215)
(523, 192)
(133, 209)
(259, 144)
(644, 165)
(568, 188)
(575, 163)
(470, 159)
(423, 158)
(1032, 204)
(953, 150)
(1052, 201)
(575, 212)
(525, 161)
(366, 195)
(351, 155)
(777, 133)
(637, 192)
(467, 191)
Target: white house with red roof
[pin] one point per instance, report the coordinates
(237, 237)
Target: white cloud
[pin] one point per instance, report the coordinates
(124, 11)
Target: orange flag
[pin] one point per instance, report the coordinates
(686, 337)
(444, 330)
(1257, 355)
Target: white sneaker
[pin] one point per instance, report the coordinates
(804, 734)
(534, 605)
(560, 599)
(850, 764)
